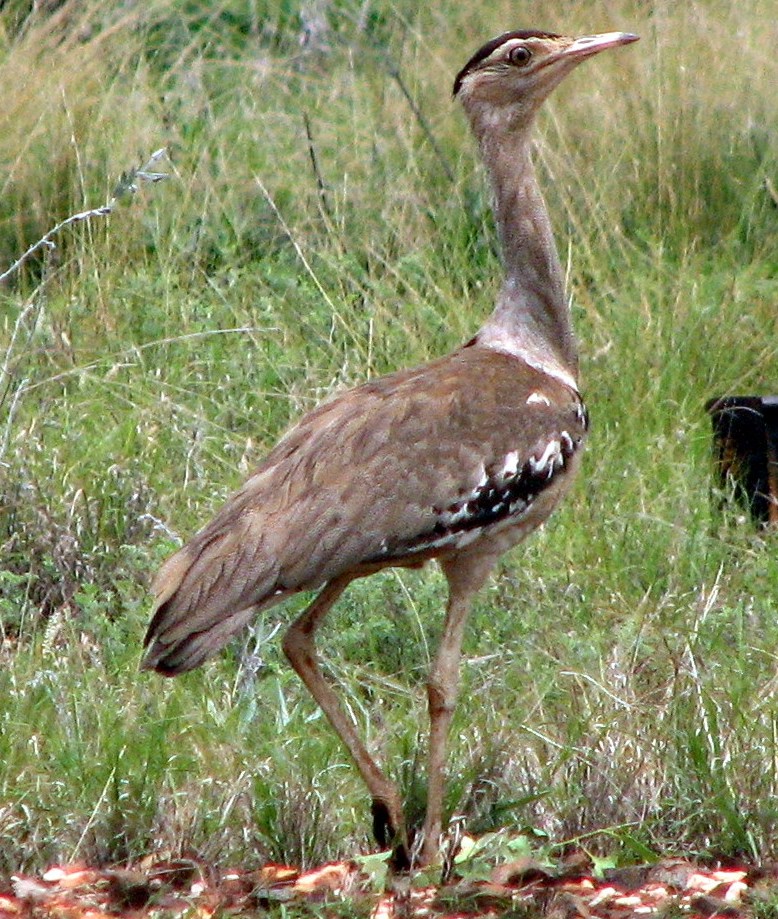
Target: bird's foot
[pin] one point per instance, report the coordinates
(390, 832)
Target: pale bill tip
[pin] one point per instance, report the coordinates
(602, 41)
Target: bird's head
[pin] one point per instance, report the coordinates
(518, 70)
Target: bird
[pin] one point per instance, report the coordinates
(457, 460)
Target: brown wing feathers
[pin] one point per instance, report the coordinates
(417, 462)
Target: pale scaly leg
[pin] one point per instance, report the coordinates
(300, 649)
(465, 577)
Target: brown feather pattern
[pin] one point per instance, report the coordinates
(352, 484)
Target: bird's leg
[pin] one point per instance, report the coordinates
(465, 576)
(300, 649)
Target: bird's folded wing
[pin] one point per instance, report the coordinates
(416, 464)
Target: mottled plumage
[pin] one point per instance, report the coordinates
(336, 493)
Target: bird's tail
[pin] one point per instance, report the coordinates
(200, 605)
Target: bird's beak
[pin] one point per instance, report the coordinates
(593, 44)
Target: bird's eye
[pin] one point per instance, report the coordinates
(520, 55)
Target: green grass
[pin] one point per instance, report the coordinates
(619, 670)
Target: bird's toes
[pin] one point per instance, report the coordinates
(384, 829)
(388, 834)
(400, 859)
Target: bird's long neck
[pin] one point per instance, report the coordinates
(532, 315)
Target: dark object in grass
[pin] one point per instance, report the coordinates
(745, 452)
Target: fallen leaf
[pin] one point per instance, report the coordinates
(27, 888)
(327, 878)
(521, 871)
(711, 906)
(10, 907)
(276, 874)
